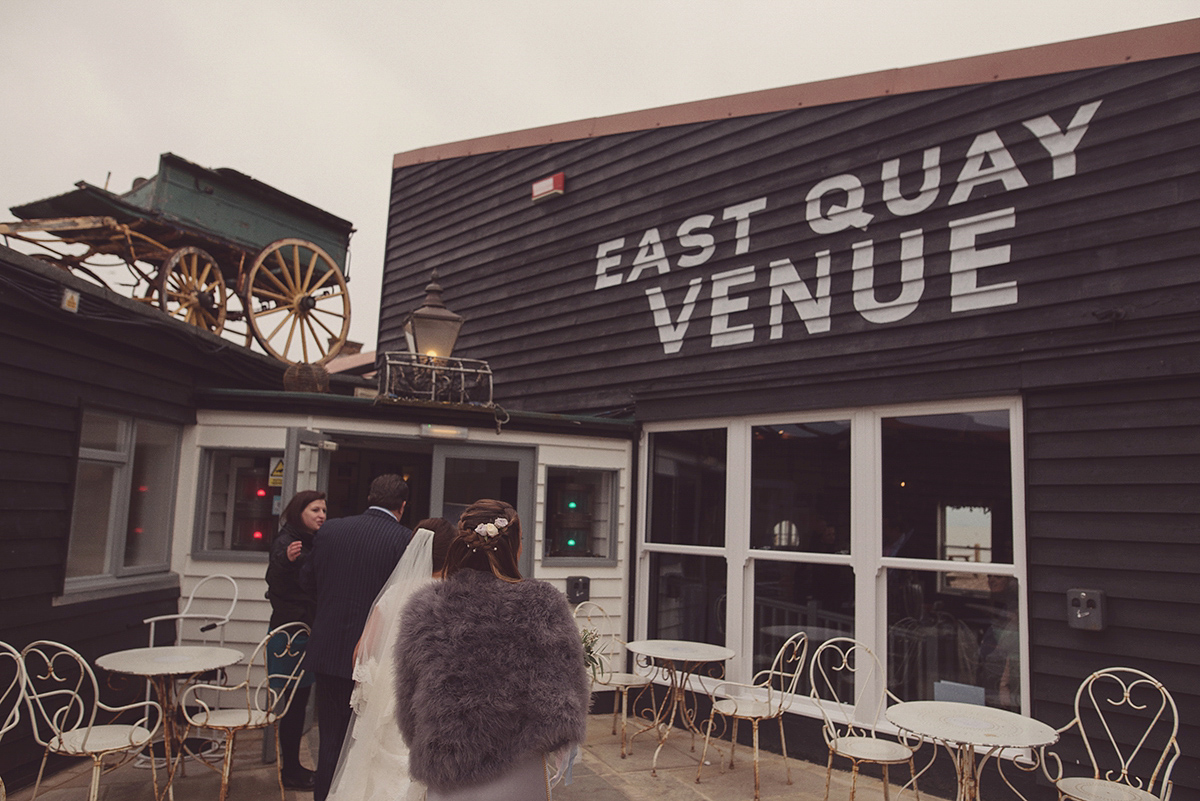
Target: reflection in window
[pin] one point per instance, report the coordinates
(91, 516)
(687, 598)
(244, 503)
(124, 494)
(687, 488)
(468, 480)
(965, 533)
(581, 514)
(793, 596)
(944, 646)
(800, 487)
(935, 463)
(151, 495)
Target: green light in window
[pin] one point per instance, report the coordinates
(572, 505)
(570, 543)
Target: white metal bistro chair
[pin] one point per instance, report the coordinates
(263, 696)
(847, 686)
(608, 645)
(766, 697)
(209, 621)
(1129, 717)
(64, 703)
(12, 693)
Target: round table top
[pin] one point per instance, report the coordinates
(970, 724)
(680, 650)
(169, 660)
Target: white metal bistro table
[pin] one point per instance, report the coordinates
(961, 728)
(163, 665)
(676, 661)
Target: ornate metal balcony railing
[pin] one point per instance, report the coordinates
(415, 376)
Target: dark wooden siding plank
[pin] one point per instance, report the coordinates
(1140, 180)
(1114, 475)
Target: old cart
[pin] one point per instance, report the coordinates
(194, 240)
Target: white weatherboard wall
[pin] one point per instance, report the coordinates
(251, 430)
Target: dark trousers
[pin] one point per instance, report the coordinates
(333, 718)
(291, 732)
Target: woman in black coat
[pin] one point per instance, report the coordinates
(305, 513)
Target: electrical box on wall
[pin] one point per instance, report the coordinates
(1085, 609)
(579, 589)
(549, 187)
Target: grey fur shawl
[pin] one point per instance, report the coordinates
(487, 673)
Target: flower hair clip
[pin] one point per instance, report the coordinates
(489, 531)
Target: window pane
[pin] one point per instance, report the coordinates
(581, 512)
(800, 487)
(468, 480)
(947, 487)
(151, 494)
(243, 506)
(102, 432)
(687, 598)
(790, 597)
(687, 487)
(954, 641)
(87, 554)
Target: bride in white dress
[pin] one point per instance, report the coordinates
(374, 762)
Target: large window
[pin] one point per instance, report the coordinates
(899, 526)
(124, 497)
(687, 574)
(948, 500)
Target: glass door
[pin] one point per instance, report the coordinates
(463, 474)
(305, 463)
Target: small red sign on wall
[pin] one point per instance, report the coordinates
(549, 187)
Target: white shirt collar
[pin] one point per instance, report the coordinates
(389, 511)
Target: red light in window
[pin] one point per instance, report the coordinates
(143, 488)
(262, 493)
(138, 530)
(258, 535)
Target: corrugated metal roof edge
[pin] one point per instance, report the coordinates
(467, 415)
(1142, 44)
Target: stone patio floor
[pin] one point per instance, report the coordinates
(600, 775)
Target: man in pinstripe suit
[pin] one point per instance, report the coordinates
(351, 560)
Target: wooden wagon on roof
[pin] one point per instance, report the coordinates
(194, 239)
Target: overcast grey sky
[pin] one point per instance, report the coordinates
(315, 98)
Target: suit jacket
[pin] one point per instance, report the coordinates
(351, 560)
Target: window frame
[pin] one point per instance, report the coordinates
(866, 557)
(199, 549)
(121, 460)
(614, 505)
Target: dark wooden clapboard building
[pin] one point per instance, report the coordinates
(916, 355)
(81, 370)
(140, 455)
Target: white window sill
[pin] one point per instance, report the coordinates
(98, 589)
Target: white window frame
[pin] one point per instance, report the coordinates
(866, 557)
(115, 572)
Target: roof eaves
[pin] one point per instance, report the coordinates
(470, 415)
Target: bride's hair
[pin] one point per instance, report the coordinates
(444, 533)
(488, 539)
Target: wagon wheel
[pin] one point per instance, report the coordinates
(190, 287)
(297, 302)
